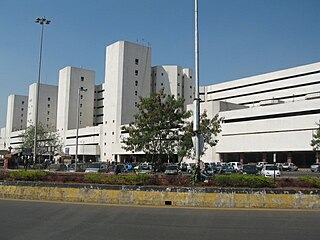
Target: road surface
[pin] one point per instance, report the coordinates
(62, 221)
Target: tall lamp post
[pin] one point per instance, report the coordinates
(196, 122)
(81, 89)
(42, 22)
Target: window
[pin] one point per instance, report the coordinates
(136, 72)
(48, 112)
(136, 61)
(81, 97)
(136, 83)
(22, 109)
(80, 113)
(82, 79)
(112, 133)
(48, 119)
(49, 99)
(48, 105)
(190, 76)
(161, 84)
(161, 74)
(81, 105)
(22, 102)
(136, 93)
(136, 104)
(178, 74)
(178, 84)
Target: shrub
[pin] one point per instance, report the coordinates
(27, 175)
(312, 181)
(140, 179)
(237, 180)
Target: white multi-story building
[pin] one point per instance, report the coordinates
(128, 77)
(278, 116)
(268, 115)
(47, 107)
(174, 80)
(17, 110)
(72, 79)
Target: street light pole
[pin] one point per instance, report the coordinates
(196, 122)
(42, 22)
(81, 89)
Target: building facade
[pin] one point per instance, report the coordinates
(268, 115)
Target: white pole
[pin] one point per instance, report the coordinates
(196, 122)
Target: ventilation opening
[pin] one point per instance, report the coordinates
(167, 202)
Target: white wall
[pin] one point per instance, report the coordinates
(47, 107)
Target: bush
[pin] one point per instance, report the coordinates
(28, 175)
(312, 181)
(99, 178)
(237, 180)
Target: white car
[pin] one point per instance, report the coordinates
(270, 170)
(236, 165)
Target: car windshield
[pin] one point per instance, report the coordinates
(172, 167)
(271, 168)
(249, 167)
(94, 165)
(145, 167)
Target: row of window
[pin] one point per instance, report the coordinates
(162, 74)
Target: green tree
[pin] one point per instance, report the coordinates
(209, 129)
(46, 137)
(315, 141)
(157, 126)
(162, 128)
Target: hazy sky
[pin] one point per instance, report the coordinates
(238, 38)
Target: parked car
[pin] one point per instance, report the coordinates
(260, 165)
(250, 169)
(172, 169)
(81, 167)
(96, 167)
(236, 166)
(116, 169)
(144, 169)
(59, 167)
(270, 170)
(288, 167)
(185, 167)
(315, 167)
(226, 169)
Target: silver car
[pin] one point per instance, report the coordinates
(315, 167)
(96, 167)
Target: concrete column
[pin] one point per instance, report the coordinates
(264, 157)
(289, 157)
(241, 158)
(221, 158)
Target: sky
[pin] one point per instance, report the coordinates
(238, 38)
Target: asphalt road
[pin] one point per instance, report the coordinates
(42, 220)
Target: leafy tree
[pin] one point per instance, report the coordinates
(315, 141)
(209, 129)
(157, 126)
(45, 137)
(161, 128)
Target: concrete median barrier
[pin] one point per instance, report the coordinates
(162, 196)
